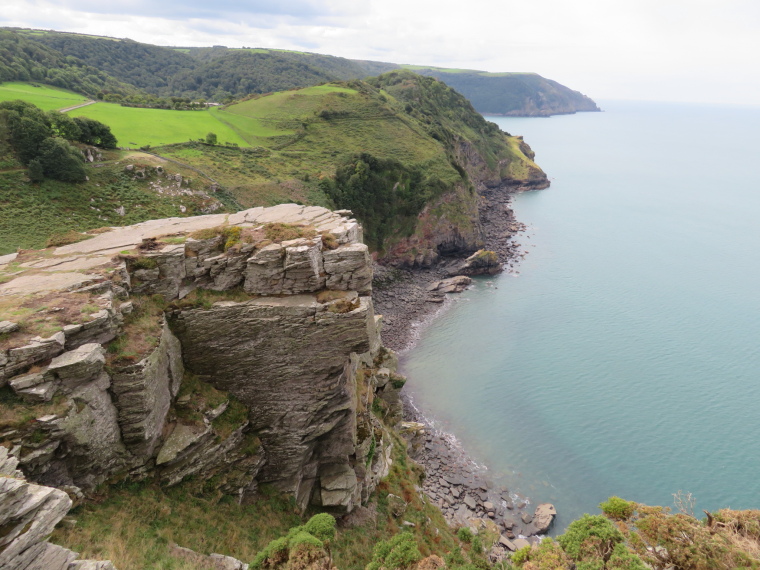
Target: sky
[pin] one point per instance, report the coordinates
(661, 50)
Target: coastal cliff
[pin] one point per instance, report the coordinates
(238, 349)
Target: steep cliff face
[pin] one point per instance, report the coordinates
(28, 514)
(241, 347)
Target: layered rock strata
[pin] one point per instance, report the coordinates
(261, 366)
(28, 515)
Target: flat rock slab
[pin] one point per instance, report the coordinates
(35, 283)
(6, 259)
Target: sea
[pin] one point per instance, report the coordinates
(622, 355)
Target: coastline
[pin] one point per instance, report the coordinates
(454, 481)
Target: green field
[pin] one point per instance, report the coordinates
(44, 96)
(134, 127)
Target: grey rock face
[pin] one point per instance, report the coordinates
(28, 514)
(298, 355)
(17, 360)
(144, 392)
(296, 383)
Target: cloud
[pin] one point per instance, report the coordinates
(216, 10)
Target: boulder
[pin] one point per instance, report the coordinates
(543, 517)
(482, 262)
(396, 505)
(8, 327)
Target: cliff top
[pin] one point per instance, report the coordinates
(43, 291)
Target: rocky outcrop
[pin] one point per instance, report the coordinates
(543, 518)
(287, 349)
(28, 515)
(482, 262)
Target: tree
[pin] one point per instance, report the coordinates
(64, 126)
(61, 161)
(35, 171)
(95, 133)
(211, 138)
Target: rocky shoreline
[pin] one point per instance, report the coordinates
(454, 482)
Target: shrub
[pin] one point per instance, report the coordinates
(521, 556)
(274, 553)
(624, 559)
(548, 555)
(399, 552)
(617, 508)
(304, 538)
(464, 534)
(590, 538)
(321, 526)
(35, 171)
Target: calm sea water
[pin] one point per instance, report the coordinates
(624, 357)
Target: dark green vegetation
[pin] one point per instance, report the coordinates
(41, 140)
(633, 536)
(24, 59)
(147, 75)
(517, 94)
(383, 194)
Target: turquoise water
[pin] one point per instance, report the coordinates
(623, 359)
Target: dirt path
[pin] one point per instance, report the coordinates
(65, 110)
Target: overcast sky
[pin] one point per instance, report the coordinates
(668, 50)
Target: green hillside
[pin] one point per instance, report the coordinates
(44, 96)
(23, 58)
(145, 66)
(223, 74)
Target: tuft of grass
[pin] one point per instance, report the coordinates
(233, 417)
(197, 397)
(279, 232)
(141, 331)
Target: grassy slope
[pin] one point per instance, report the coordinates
(295, 146)
(31, 213)
(139, 127)
(44, 96)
